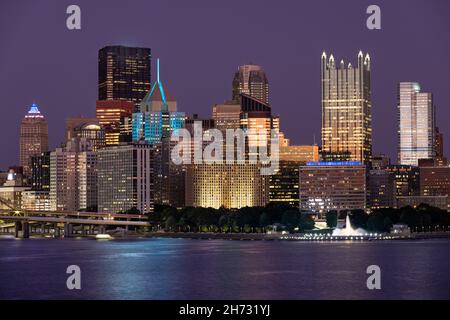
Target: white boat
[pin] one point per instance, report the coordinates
(103, 236)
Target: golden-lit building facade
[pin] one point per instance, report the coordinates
(228, 185)
(346, 109)
(113, 115)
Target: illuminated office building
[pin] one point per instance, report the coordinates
(325, 186)
(228, 185)
(346, 109)
(251, 80)
(227, 115)
(406, 180)
(416, 124)
(283, 186)
(114, 116)
(33, 137)
(435, 181)
(158, 116)
(73, 122)
(380, 189)
(124, 73)
(125, 178)
(40, 172)
(157, 119)
(92, 132)
(73, 177)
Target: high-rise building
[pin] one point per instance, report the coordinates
(251, 79)
(283, 186)
(380, 161)
(440, 160)
(380, 189)
(158, 116)
(435, 181)
(325, 186)
(73, 177)
(346, 110)
(416, 124)
(114, 116)
(125, 178)
(124, 73)
(33, 137)
(40, 172)
(406, 180)
(73, 122)
(157, 119)
(93, 133)
(229, 185)
(227, 115)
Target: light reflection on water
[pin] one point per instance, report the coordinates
(220, 269)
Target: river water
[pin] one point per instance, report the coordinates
(160, 268)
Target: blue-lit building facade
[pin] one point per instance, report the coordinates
(326, 186)
(158, 116)
(155, 122)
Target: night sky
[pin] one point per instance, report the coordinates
(201, 43)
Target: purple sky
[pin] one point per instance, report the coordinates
(201, 43)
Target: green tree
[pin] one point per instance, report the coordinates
(306, 222)
(171, 223)
(331, 218)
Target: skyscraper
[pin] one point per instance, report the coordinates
(113, 116)
(33, 137)
(283, 186)
(123, 73)
(155, 122)
(125, 178)
(325, 186)
(251, 80)
(73, 177)
(416, 124)
(440, 160)
(346, 110)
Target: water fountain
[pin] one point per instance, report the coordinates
(348, 230)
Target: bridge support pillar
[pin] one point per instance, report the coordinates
(68, 230)
(22, 230)
(101, 229)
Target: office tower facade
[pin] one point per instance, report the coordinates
(73, 177)
(283, 186)
(73, 122)
(33, 137)
(229, 185)
(251, 79)
(406, 180)
(157, 120)
(440, 159)
(346, 109)
(40, 172)
(93, 133)
(380, 189)
(325, 186)
(158, 116)
(380, 161)
(114, 116)
(125, 178)
(416, 124)
(435, 181)
(124, 73)
(227, 115)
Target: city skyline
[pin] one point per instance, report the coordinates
(290, 104)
